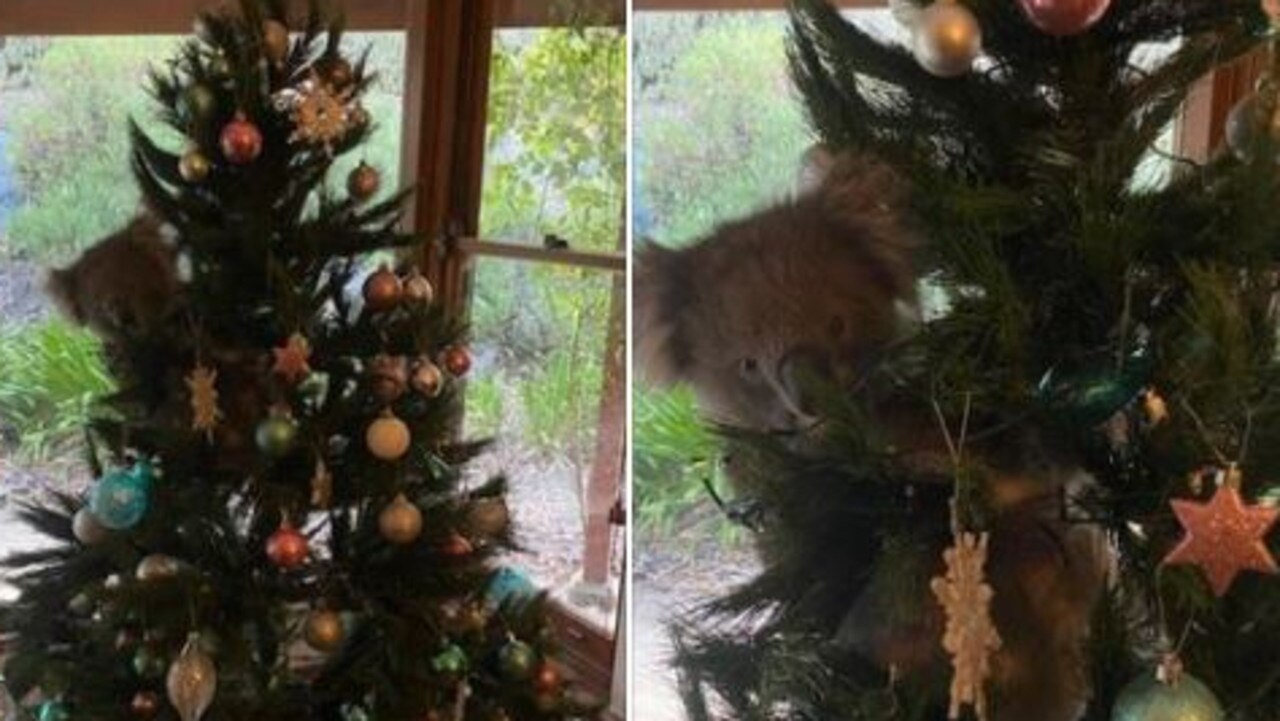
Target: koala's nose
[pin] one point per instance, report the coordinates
(803, 371)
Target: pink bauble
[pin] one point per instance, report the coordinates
(1064, 17)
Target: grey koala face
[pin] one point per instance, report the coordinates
(769, 311)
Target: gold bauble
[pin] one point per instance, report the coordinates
(157, 566)
(427, 378)
(324, 631)
(388, 438)
(388, 377)
(947, 39)
(417, 289)
(488, 516)
(192, 681)
(401, 521)
(193, 166)
(275, 41)
(363, 182)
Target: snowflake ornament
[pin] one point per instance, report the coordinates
(970, 636)
(321, 114)
(202, 382)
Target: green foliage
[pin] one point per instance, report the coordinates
(51, 376)
(484, 406)
(718, 132)
(674, 454)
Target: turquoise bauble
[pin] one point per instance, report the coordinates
(509, 586)
(517, 659)
(1147, 698)
(52, 711)
(1092, 391)
(119, 500)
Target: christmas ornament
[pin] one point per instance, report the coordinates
(241, 141)
(87, 529)
(1253, 118)
(1165, 696)
(148, 662)
(193, 166)
(321, 486)
(452, 661)
(516, 659)
(145, 704)
(157, 566)
(338, 71)
(287, 548)
(457, 360)
(382, 290)
(202, 383)
(196, 104)
(946, 39)
(970, 636)
(192, 681)
(509, 586)
(321, 115)
(363, 181)
(1094, 390)
(1271, 8)
(52, 710)
(276, 433)
(488, 516)
(427, 378)
(546, 678)
(455, 545)
(1224, 536)
(417, 289)
(401, 521)
(324, 631)
(120, 498)
(220, 66)
(291, 359)
(1064, 17)
(275, 41)
(1154, 406)
(388, 377)
(388, 437)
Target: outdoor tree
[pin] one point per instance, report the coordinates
(279, 526)
(1106, 354)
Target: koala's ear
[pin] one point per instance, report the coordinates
(662, 296)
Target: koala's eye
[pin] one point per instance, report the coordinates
(749, 367)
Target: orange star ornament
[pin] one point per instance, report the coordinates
(291, 358)
(1224, 536)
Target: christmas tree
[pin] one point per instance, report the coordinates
(1053, 496)
(279, 527)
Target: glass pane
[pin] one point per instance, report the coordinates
(718, 133)
(65, 183)
(555, 165)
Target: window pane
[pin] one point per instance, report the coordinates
(555, 165)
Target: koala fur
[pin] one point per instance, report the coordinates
(819, 283)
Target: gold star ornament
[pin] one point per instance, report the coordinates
(321, 114)
(1224, 536)
(203, 385)
(970, 636)
(292, 359)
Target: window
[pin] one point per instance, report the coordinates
(546, 287)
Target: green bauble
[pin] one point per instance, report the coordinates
(197, 104)
(452, 660)
(276, 435)
(1147, 698)
(148, 662)
(517, 659)
(1095, 389)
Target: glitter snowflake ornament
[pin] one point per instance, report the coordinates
(205, 414)
(321, 114)
(970, 636)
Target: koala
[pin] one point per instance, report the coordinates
(818, 286)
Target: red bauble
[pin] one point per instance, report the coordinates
(382, 290)
(456, 546)
(241, 141)
(1064, 17)
(546, 679)
(145, 704)
(456, 360)
(287, 548)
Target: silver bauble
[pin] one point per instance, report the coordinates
(1147, 698)
(192, 681)
(88, 529)
(946, 39)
